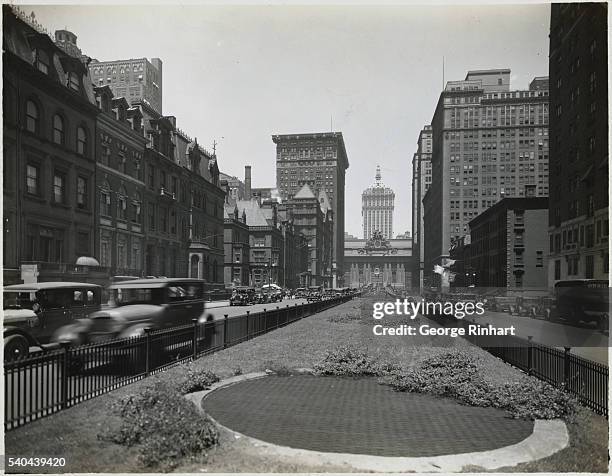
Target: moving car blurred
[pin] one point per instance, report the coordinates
(34, 312)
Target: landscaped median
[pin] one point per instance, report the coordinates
(150, 426)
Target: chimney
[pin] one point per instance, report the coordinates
(247, 182)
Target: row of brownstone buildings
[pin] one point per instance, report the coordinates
(94, 183)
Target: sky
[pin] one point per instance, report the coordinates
(237, 74)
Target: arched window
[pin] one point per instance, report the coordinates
(58, 129)
(42, 61)
(32, 117)
(105, 199)
(73, 81)
(81, 141)
(122, 203)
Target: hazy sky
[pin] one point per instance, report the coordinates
(238, 74)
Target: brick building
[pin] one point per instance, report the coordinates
(509, 243)
(579, 184)
(49, 131)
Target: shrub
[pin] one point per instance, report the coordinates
(345, 317)
(348, 360)
(458, 375)
(163, 425)
(196, 380)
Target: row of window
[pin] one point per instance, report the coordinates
(59, 186)
(33, 125)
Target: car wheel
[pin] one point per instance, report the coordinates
(15, 347)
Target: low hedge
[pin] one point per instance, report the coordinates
(162, 425)
(458, 374)
(196, 380)
(351, 361)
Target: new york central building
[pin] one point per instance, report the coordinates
(488, 143)
(377, 203)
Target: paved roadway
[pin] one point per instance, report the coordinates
(220, 311)
(584, 341)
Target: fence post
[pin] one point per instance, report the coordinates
(225, 327)
(248, 336)
(566, 367)
(296, 311)
(65, 364)
(277, 314)
(147, 333)
(265, 320)
(530, 355)
(195, 338)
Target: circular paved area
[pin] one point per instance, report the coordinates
(359, 416)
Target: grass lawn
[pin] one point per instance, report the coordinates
(72, 434)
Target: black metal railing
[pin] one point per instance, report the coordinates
(583, 378)
(47, 382)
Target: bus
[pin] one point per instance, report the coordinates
(582, 300)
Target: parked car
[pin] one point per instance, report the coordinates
(155, 304)
(242, 296)
(300, 293)
(34, 312)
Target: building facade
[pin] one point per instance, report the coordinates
(120, 188)
(320, 161)
(377, 205)
(135, 79)
(578, 219)
(421, 181)
(488, 143)
(49, 129)
(378, 262)
(509, 245)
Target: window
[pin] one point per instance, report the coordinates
(58, 129)
(122, 204)
(32, 179)
(81, 141)
(105, 199)
(81, 192)
(589, 267)
(136, 204)
(59, 187)
(32, 117)
(73, 81)
(42, 61)
(557, 269)
(539, 259)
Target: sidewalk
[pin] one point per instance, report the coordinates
(213, 304)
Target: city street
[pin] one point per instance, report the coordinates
(220, 312)
(585, 342)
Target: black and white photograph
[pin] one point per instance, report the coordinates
(305, 237)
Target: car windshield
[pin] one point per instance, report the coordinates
(19, 299)
(127, 296)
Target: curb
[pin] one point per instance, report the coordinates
(548, 437)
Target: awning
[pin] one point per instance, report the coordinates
(87, 261)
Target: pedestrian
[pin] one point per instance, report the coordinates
(209, 332)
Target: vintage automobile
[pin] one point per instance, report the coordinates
(300, 293)
(315, 293)
(582, 300)
(242, 296)
(140, 304)
(34, 312)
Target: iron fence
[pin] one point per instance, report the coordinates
(583, 378)
(47, 382)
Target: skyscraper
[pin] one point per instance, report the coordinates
(578, 215)
(489, 143)
(421, 181)
(134, 79)
(377, 203)
(320, 161)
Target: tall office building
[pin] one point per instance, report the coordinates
(489, 143)
(377, 203)
(578, 214)
(137, 80)
(318, 160)
(421, 180)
